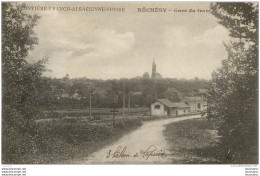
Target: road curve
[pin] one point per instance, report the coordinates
(146, 145)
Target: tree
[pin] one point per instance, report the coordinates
(233, 99)
(23, 85)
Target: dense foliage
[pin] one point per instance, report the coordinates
(233, 99)
(22, 83)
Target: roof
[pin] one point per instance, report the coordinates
(181, 105)
(170, 104)
(194, 98)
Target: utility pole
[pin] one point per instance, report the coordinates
(90, 103)
(195, 104)
(124, 99)
(124, 104)
(114, 115)
(90, 99)
(129, 103)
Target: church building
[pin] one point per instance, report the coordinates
(155, 75)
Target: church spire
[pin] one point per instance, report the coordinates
(153, 69)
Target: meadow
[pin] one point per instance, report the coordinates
(73, 134)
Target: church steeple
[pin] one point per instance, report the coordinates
(153, 69)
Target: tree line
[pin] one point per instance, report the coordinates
(139, 92)
(233, 100)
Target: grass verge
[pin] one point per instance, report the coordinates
(60, 141)
(194, 142)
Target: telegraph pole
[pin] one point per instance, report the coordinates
(124, 99)
(90, 103)
(129, 103)
(114, 115)
(123, 104)
(90, 99)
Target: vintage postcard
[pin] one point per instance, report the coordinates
(129, 83)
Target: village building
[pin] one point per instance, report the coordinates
(64, 94)
(146, 76)
(76, 95)
(197, 104)
(58, 93)
(164, 107)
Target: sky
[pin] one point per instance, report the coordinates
(108, 45)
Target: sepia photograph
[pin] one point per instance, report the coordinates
(165, 83)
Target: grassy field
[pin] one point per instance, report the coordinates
(194, 142)
(197, 142)
(101, 116)
(100, 112)
(73, 134)
(59, 140)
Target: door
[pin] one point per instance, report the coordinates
(168, 112)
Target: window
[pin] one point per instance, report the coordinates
(157, 107)
(198, 105)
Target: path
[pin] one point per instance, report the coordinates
(145, 141)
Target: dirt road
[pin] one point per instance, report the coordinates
(146, 145)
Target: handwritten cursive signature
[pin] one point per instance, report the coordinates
(121, 152)
(152, 151)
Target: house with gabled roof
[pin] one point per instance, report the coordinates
(164, 107)
(58, 93)
(197, 104)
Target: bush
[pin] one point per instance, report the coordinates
(128, 124)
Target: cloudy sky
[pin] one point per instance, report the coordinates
(123, 44)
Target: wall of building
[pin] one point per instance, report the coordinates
(155, 111)
(204, 105)
(180, 111)
(198, 105)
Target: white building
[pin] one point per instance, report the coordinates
(164, 107)
(197, 104)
